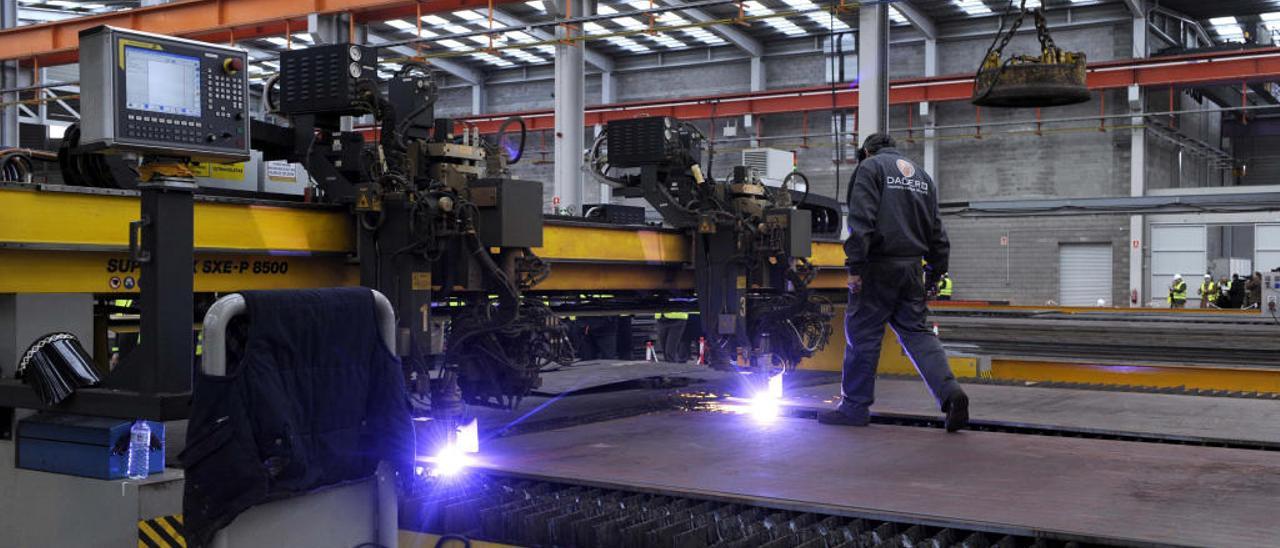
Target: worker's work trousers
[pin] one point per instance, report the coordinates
(892, 292)
(1204, 301)
(1178, 304)
(671, 341)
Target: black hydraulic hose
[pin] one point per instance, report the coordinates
(502, 132)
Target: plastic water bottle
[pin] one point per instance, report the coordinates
(139, 450)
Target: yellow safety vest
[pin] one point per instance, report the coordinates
(1208, 290)
(944, 287)
(1178, 293)
(672, 315)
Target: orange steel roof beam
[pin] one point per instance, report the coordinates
(56, 42)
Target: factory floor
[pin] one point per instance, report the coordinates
(1046, 464)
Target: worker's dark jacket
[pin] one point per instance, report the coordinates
(314, 399)
(893, 214)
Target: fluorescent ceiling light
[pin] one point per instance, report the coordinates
(457, 29)
(428, 34)
(469, 15)
(400, 24)
(93, 6)
(63, 3)
(304, 37)
(756, 8)
(454, 45)
(1227, 28)
(627, 44)
(897, 17)
(492, 60)
(800, 4)
(545, 48)
(519, 36)
(482, 40)
(605, 10)
(434, 20)
(536, 4)
(592, 26)
(832, 23)
(784, 25)
(972, 7)
(629, 23)
(278, 41)
(702, 35)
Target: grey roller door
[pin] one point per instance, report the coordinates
(1084, 274)
(1267, 241)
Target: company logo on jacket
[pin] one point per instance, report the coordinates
(906, 182)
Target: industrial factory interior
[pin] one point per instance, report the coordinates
(639, 273)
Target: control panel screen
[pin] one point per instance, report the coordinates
(156, 81)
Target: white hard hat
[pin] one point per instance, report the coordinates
(1208, 276)
(1177, 276)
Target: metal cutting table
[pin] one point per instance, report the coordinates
(1060, 488)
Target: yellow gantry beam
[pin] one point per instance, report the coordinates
(75, 241)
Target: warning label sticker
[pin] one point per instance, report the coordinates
(281, 171)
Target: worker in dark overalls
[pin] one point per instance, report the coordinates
(893, 223)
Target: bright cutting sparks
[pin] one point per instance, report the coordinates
(766, 404)
(458, 454)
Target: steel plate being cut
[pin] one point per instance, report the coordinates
(1090, 490)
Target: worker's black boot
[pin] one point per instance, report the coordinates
(838, 417)
(957, 409)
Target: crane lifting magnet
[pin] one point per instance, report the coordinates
(1054, 78)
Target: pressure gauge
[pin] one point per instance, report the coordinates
(356, 53)
(355, 70)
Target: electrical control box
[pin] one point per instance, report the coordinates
(505, 217)
(793, 229)
(161, 95)
(326, 78)
(1270, 304)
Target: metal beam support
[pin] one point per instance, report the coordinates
(211, 20)
(1137, 168)
(569, 92)
(919, 20)
(1136, 7)
(478, 105)
(735, 36)
(593, 57)
(608, 88)
(873, 70)
(470, 75)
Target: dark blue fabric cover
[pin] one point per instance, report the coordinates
(316, 399)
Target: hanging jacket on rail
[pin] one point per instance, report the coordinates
(315, 399)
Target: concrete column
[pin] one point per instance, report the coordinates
(328, 28)
(757, 84)
(1137, 171)
(10, 76)
(608, 91)
(873, 69)
(478, 105)
(927, 114)
(608, 96)
(570, 70)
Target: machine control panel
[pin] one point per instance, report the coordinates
(162, 95)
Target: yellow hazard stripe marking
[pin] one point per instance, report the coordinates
(161, 532)
(173, 532)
